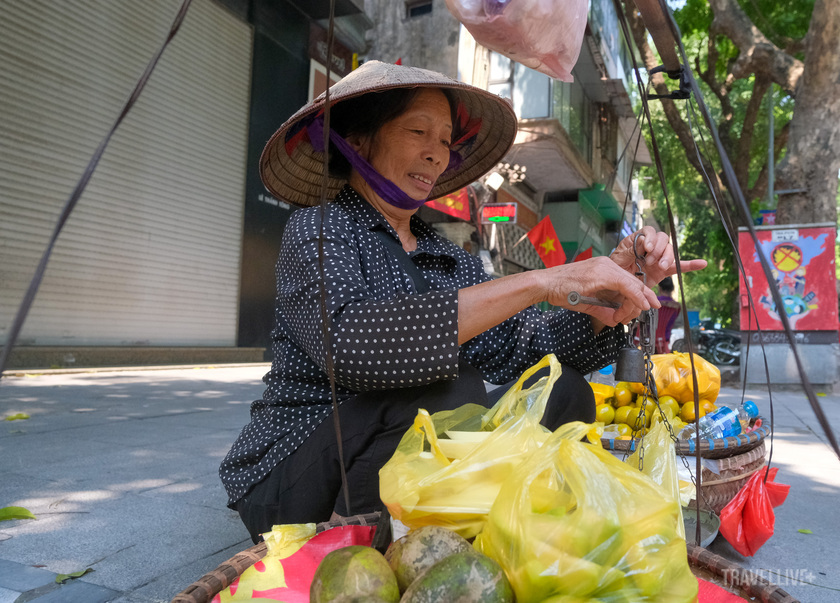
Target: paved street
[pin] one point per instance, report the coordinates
(121, 470)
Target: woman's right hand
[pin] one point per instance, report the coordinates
(602, 278)
(483, 306)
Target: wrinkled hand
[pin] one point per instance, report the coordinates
(658, 255)
(603, 278)
(614, 278)
(487, 304)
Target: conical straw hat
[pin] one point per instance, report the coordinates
(296, 177)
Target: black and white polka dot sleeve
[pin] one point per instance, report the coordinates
(505, 351)
(569, 335)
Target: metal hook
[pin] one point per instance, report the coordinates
(647, 319)
(640, 268)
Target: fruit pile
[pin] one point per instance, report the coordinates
(627, 412)
(427, 565)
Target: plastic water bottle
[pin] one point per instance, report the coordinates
(746, 413)
(725, 422)
(605, 375)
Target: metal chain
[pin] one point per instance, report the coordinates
(643, 323)
(646, 324)
(650, 386)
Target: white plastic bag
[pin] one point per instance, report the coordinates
(541, 34)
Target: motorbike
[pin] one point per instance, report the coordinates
(720, 346)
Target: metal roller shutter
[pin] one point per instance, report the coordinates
(151, 254)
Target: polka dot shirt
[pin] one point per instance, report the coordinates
(385, 335)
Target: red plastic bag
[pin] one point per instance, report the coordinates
(541, 34)
(712, 593)
(748, 521)
(286, 571)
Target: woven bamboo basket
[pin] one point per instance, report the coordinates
(735, 579)
(717, 490)
(704, 564)
(709, 449)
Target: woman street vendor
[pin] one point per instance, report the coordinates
(414, 320)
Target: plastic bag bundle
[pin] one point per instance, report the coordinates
(541, 34)
(575, 524)
(286, 571)
(748, 521)
(448, 469)
(672, 373)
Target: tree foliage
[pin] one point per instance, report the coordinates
(748, 56)
(701, 232)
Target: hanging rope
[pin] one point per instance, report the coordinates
(731, 181)
(698, 469)
(325, 318)
(752, 306)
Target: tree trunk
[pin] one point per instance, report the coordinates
(810, 168)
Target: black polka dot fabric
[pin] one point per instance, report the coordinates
(385, 335)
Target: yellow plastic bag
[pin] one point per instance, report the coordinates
(672, 373)
(660, 465)
(448, 469)
(575, 524)
(603, 393)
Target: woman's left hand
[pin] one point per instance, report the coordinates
(658, 256)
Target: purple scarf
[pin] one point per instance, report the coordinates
(387, 190)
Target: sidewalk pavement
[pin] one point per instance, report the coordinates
(120, 468)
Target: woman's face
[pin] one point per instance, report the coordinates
(412, 150)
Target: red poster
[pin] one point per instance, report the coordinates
(802, 263)
(455, 204)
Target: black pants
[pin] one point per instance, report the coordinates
(306, 486)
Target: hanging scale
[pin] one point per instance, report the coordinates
(633, 363)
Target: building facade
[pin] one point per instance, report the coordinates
(169, 254)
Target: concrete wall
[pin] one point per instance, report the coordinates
(429, 41)
(819, 360)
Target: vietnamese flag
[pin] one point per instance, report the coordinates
(584, 255)
(545, 241)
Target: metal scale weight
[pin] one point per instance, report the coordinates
(634, 363)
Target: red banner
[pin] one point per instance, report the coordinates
(584, 255)
(545, 241)
(802, 262)
(455, 204)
